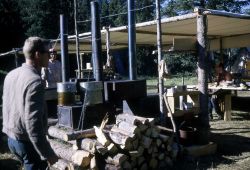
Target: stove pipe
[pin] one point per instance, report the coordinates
(132, 40)
(96, 42)
(64, 48)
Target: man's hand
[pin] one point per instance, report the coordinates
(53, 159)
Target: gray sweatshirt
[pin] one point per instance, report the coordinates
(24, 113)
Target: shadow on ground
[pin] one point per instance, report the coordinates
(7, 160)
(9, 164)
(233, 146)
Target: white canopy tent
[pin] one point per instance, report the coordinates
(225, 30)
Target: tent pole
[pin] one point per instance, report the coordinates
(159, 49)
(221, 52)
(77, 39)
(202, 77)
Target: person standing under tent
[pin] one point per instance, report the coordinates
(53, 73)
(24, 110)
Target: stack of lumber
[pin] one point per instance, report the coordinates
(133, 142)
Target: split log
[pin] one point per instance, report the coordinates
(101, 137)
(93, 164)
(124, 141)
(135, 143)
(153, 163)
(79, 157)
(164, 138)
(140, 150)
(155, 132)
(148, 132)
(76, 144)
(144, 166)
(162, 164)
(134, 120)
(164, 129)
(161, 156)
(112, 167)
(62, 164)
(146, 141)
(117, 159)
(150, 150)
(115, 128)
(57, 132)
(141, 160)
(52, 122)
(89, 145)
(143, 127)
(88, 133)
(169, 161)
(112, 149)
(131, 129)
(126, 165)
(101, 149)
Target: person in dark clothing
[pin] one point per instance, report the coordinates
(24, 113)
(221, 76)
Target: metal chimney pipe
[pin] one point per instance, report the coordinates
(132, 41)
(64, 48)
(96, 42)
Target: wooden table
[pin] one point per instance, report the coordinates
(227, 101)
(176, 106)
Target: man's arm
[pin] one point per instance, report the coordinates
(228, 76)
(34, 112)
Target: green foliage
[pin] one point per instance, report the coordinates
(116, 7)
(41, 17)
(228, 5)
(117, 10)
(144, 14)
(146, 64)
(105, 21)
(84, 14)
(181, 63)
(178, 7)
(11, 29)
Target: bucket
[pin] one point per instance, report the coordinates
(93, 92)
(66, 93)
(187, 135)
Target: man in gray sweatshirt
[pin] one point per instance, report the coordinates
(24, 113)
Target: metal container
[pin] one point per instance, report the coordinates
(66, 93)
(93, 92)
(187, 134)
(69, 116)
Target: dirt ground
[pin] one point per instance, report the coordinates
(233, 153)
(233, 140)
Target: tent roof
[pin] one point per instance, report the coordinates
(227, 30)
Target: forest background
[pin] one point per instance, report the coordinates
(20, 19)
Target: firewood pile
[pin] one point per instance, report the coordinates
(133, 142)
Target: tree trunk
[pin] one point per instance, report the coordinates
(79, 157)
(202, 74)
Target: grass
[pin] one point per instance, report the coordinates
(173, 81)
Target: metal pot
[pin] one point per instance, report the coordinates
(66, 93)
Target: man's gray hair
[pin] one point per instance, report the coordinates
(34, 44)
